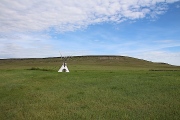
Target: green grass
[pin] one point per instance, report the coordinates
(100, 88)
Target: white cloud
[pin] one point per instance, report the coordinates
(178, 6)
(26, 46)
(69, 15)
(160, 56)
(158, 52)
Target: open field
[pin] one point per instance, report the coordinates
(100, 88)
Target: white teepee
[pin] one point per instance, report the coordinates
(64, 68)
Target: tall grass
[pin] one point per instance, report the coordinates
(89, 91)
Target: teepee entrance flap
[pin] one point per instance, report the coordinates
(64, 68)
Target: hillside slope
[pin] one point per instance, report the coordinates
(86, 63)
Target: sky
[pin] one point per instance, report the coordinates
(144, 29)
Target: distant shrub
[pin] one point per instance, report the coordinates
(163, 70)
(41, 69)
(34, 68)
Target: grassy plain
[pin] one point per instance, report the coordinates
(103, 88)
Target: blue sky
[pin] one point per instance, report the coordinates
(144, 29)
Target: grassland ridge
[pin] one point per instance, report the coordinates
(74, 61)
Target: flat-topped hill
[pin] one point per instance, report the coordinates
(92, 62)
